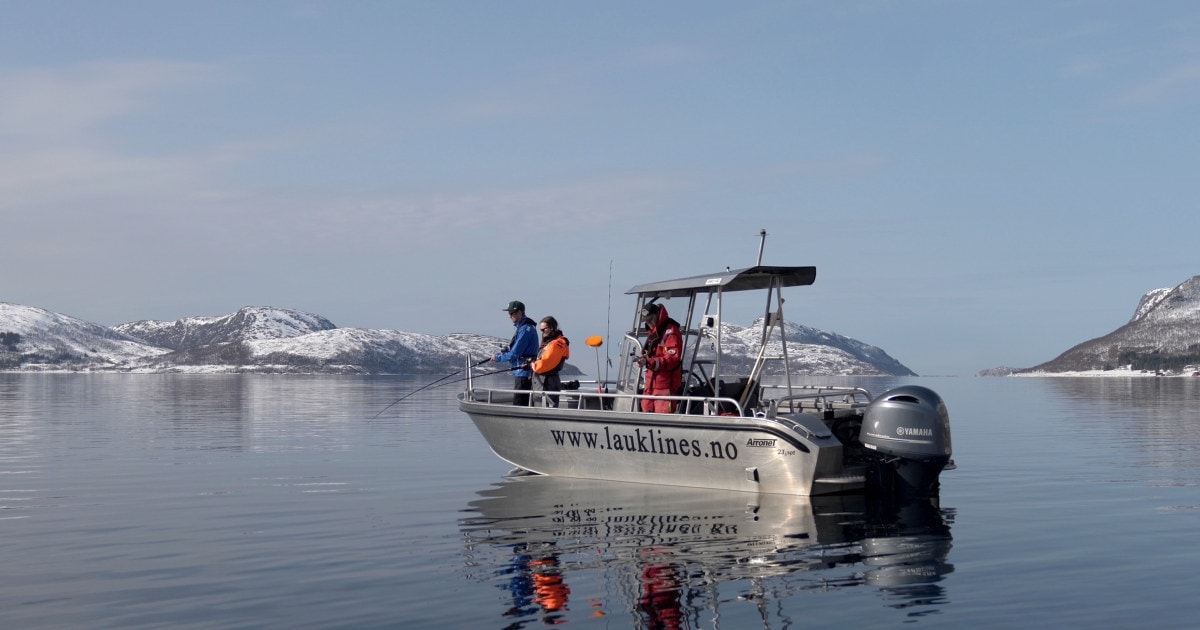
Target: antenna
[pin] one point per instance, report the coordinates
(607, 327)
(762, 241)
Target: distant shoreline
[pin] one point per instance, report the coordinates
(1117, 373)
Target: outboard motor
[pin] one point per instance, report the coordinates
(906, 434)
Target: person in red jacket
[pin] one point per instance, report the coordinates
(662, 358)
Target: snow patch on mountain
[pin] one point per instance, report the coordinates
(375, 351)
(1181, 304)
(40, 338)
(810, 351)
(247, 324)
(1148, 302)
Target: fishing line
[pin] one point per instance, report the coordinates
(459, 380)
(428, 385)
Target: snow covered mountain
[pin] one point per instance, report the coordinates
(1163, 335)
(33, 338)
(254, 339)
(278, 340)
(251, 322)
(810, 351)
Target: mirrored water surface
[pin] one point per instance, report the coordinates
(279, 501)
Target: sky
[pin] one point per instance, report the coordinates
(979, 184)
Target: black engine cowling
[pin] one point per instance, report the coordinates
(906, 434)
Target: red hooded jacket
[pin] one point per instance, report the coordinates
(664, 355)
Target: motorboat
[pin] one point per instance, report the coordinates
(736, 424)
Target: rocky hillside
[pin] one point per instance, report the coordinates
(1163, 335)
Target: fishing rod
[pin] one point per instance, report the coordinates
(504, 371)
(607, 329)
(594, 341)
(428, 385)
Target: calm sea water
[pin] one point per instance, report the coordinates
(140, 501)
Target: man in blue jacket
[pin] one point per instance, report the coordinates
(521, 351)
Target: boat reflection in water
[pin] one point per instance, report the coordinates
(670, 557)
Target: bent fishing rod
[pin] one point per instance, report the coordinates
(429, 385)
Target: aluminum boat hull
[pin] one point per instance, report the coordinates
(793, 455)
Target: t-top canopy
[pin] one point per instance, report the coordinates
(748, 279)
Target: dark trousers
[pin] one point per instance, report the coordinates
(522, 383)
(551, 383)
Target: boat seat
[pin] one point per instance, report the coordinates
(735, 391)
(832, 414)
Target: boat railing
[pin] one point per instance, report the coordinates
(598, 399)
(817, 398)
(606, 401)
(820, 398)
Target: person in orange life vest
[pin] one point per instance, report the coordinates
(552, 355)
(662, 357)
(550, 590)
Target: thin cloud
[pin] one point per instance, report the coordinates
(1179, 83)
(842, 166)
(499, 107)
(500, 213)
(61, 162)
(565, 84)
(657, 55)
(1083, 67)
(46, 104)
(52, 123)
